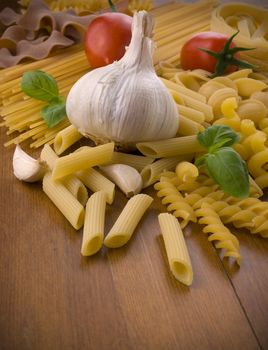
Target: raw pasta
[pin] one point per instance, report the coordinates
(177, 252)
(126, 223)
(64, 201)
(170, 148)
(72, 183)
(95, 181)
(84, 159)
(66, 138)
(93, 231)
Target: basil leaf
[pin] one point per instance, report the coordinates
(39, 85)
(54, 112)
(217, 136)
(228, 169)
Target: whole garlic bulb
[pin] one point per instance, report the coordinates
(125, 102)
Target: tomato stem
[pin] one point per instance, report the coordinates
(226, 57)
(112, 6)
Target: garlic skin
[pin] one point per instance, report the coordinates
(125, 102)
(26, 168)
(127, 178)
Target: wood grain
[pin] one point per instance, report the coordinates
(53, 298)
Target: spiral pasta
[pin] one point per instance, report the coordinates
(174, 201)
(218, 232)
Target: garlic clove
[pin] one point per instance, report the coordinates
(127, 178)
(26, 168)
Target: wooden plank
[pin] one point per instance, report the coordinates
(251, 282)
(51, 297)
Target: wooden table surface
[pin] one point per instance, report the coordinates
(53, 298)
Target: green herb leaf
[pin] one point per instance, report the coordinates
(39, 85)
(54, 112)
(217, 136)
(228, 170)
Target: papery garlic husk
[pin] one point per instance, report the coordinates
(127, 178)
(125, 102)
(27, 168)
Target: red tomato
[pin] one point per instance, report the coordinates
(106, 38)
(193, 58)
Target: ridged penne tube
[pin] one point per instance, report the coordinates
(126, 223)
(183, 90)
(72, 183)
(93, 231)
(95, 181)
(64, 201)
(192, 114)
(151, 173)
(84, 159)
(189, 127)
(170, 148)
(177, 252)
(66, 138)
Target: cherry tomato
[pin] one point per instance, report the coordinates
(106, 38)
(193, 58)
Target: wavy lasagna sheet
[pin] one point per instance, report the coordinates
(37, 32)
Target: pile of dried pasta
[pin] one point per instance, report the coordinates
(239, 100)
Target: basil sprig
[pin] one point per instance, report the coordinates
(222, 162)
(42, 86)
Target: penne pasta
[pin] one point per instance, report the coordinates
(66, 138)
(72, 183)
(177, 252)
(95, 181)
(70, 207)
(152, 172)
(84, 159)
(170, 148)
(126, 223)
(93, 231)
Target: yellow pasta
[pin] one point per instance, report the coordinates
(65, 138)
(126, 223)
(247, 86)
(177, 252)
(84, 159)
(174, 201)
(218, 97)
(218, 232)
(188, 127)
(95, 181)
(70, 207)
(186, 172)
(151, 173)
(252, 109)
(72, 183)
(136, 161)
(93, 231)
(170, 148)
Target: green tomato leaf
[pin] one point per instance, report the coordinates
(54, 112)
(228, 169)
(39, 85)
(217, 136)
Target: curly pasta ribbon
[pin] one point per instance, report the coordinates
(175, 201)
(218, 232)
